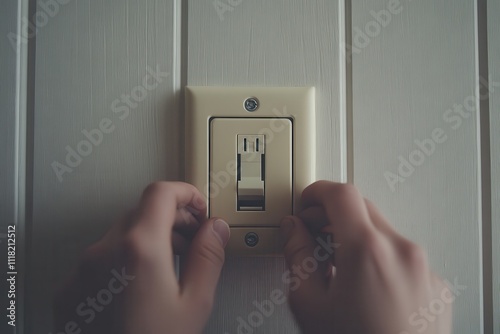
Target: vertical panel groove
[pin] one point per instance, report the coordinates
(345, 94)
(30, 8)
(179, 77)
(23, 151)
(180, 68)
(484, 162)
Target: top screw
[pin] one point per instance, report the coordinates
(251, 104)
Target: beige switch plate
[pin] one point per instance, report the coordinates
(215, 116)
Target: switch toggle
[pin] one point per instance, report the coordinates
(251, 172)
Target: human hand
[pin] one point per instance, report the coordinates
(126, 282)
(381, 280)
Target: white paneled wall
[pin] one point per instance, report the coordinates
(8, 147)
(8, 24)
(406, 76)
(494, 70)
(87, 56)
(407, 72)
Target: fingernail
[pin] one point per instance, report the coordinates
(221, 230)
(287, 225)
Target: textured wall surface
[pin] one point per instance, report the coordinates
(8, 25)
(406, 78)
(89, 55)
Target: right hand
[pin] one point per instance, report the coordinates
(381, 284)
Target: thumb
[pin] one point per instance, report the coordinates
(204, 261)
(301, 254)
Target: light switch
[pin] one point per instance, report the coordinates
(251, 152)
(250, 184)
(250, 172)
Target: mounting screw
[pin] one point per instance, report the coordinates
(251, 104)
(251, 239)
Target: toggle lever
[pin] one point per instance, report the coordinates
(251, 176)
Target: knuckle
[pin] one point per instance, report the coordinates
(205, 303)
(413, 255)
(211, 254)
(294, 251)
(369, 245)
(344, 190)
(154, 188)
(369, 203)
(370, 240)
(91, 258)
(321, 183)
(367, 238)
(137, 250)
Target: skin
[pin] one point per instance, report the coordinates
(380, 277)
(379, 280)
(170, 218)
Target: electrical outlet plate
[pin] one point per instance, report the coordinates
(251, 165)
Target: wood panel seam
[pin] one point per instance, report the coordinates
(345, 87)
(484, 163)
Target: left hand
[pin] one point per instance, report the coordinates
(126, 282)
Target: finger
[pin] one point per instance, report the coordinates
(315, 220)
(314, 217)
(188, 212)
(307, 265)
(344, 206)
(204, 262)
(160, 201)
(185, 222)
(180, 244)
